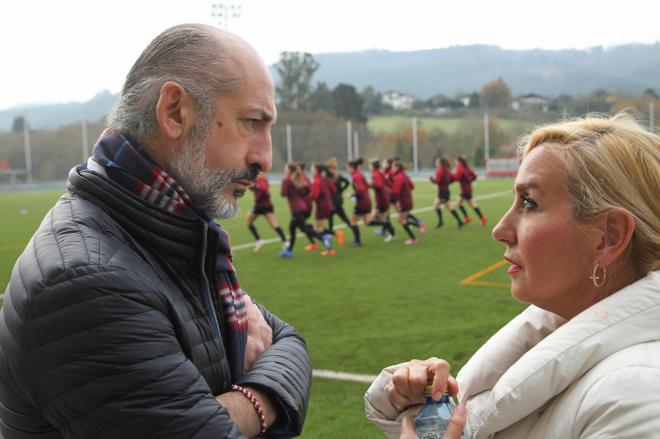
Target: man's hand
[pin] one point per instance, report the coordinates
(409, 380)
(454, 428)
(260, 335)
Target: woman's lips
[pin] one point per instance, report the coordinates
(514, 268)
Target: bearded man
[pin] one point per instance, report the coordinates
(124, 317)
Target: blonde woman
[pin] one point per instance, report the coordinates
(583, 241)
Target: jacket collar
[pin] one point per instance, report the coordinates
(626, 318)
(174, 238)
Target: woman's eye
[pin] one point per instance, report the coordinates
(528, 204)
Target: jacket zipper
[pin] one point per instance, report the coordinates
(208, 288)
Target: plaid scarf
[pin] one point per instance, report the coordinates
(129, 165)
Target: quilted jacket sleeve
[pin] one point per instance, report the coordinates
(284, 371)
(102, 360)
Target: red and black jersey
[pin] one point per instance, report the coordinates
(322, 190)
(297, 196)
(361, 191)
(381, 187)
(261, 193)
(402, 191)
(443, 178)
(465, 176)
(308, 198)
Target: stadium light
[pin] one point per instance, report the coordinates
(223, 13)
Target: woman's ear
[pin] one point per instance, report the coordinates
(617, 229)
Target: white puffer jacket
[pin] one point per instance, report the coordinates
(595, 376)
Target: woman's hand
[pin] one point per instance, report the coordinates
(454, 428)
(409, 380)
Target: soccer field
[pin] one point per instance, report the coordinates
(366, 307)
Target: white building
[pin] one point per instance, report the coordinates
(398, 100)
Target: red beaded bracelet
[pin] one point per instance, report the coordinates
(255, 403)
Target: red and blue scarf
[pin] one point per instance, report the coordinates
(127, 164)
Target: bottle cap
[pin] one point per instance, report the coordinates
(427, 391)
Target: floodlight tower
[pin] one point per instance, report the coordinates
(223, 12)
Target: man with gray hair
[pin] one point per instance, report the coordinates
(124, 317)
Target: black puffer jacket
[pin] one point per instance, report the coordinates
(104, 333)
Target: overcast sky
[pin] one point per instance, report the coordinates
(68, 50)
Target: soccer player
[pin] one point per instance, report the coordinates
(402, 191)
(263, 206)
(362, 208)
(381, 186)
(296, 189)
(341, 183)
(443, 178)
(465, 176)
(322, 190)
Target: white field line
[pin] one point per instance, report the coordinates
(343, 226)
(343, 376)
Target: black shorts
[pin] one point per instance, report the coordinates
(262, 210)
(466, 197)
(382, 209)
(444, 196)
(358, 211)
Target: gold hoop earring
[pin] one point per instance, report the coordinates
(594, 278)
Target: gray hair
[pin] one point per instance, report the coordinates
(189, 54)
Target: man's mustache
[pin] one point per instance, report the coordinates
(250, 173)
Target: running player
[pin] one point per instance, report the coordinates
(443, 178)
(402, 190)
(362, 208)
(465, 176)
(412, 219)
(263, 206)
(381, 186)
(322, 189)
(296, 189)
(341, 184)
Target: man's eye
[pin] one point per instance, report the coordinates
(253, 123)
(528, 204)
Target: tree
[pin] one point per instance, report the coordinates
(495, 95)
(348, 103)
(321, 98)
(373, 101)
(296, 70)
(18, 125)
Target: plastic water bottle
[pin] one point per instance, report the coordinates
(431, 422)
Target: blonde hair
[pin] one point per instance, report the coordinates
(609, 162)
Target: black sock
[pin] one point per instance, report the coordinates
(389, 228)
(376, 222)
(463, 210)
(414, 218)
(356, 233)
(406, 227)
(254, 232)
(331, 222)
(292, 235)
(328, 232)
(310, 233)
(458, 218)
(280, 232)
(439, 212)
(476, 209)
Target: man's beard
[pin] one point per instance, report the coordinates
(205, 186)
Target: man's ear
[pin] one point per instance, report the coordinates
(617, 229)
(175, 111)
